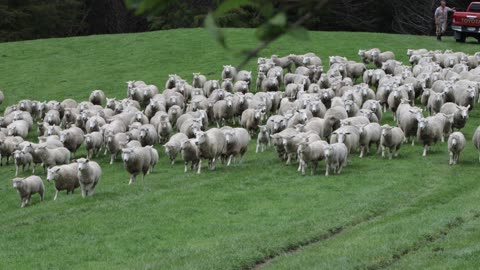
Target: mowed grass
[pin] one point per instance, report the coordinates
(408, 213)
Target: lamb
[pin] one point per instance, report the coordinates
(53, 130)
(28, 186)
(336, 156)
(251, 119)
(476, 140)
(237, 140)
(460, 114)
(190, 153)
(394, 99)
(211, 145)
(89, 173)
(435, 102)
(52, 157)
(97, 97)
(52, 117)
(18, 128)
(26, 116)
(351, 108)
(391, 139)
(456, 144)
(311, 152)
(337, 113)
(7, 147)
(93, 143)
(430, 130)
(72, 139)
(369, 134)
(263, 139)
(276, 123)
(148, 135)
(113, 144)
(65, 177)
(22, 158)
(229, 72)
(380, 58)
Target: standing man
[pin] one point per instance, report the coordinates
(441, 16)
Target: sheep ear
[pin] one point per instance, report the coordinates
(58, 169)
(87, 160)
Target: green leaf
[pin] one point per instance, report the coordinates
(214, 30)
(279, 20)
(229, 5)
(299, 32)
(269, 32)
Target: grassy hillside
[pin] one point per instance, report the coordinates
(409, 213)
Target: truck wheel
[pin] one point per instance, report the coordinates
(460, 37)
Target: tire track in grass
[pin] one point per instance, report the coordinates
(427, 239)
(333, 232)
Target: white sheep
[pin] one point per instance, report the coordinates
(52, 157)
(263, 139)
(173, 146)
(89, 173)
(137, 160)
(336, 156)
(251, 119)
(93, 143)
(65, 178)
(72, 139)
(369, 134)
(456, 144)
(211, 145)
(190, 153)
(229, 72)
(392, 139)
(97, 97)
(430, 131)
(198, 80)
(28, 186)
(311, 152)
(22, 158)
(237, 140)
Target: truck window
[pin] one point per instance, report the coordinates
(475, 8)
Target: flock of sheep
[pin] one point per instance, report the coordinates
(307, 114)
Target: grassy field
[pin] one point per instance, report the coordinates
(408, 213)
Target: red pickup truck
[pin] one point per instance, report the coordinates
(467, 24)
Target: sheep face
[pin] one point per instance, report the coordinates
(18, 183)
(201, 137)
(127, 154)
(52, 173)
(64, 136)
(82, 164)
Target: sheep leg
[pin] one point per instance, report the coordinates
(425, 151)
(229, 160)
(132, 179)
(302, 166)
(327, 167)
(390, 153)
(396, 151)
(112, 158)
(314, 167)
(362, 149)
(186, 166)
(199, 166)
(383, 152)
(34, 167)
(16, 169)
(413, 141)
(257, 148)
(289, 159)
(84, 191)
(56, 194)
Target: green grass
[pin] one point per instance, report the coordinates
(409, 213)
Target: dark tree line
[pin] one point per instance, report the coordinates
(31, 19)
